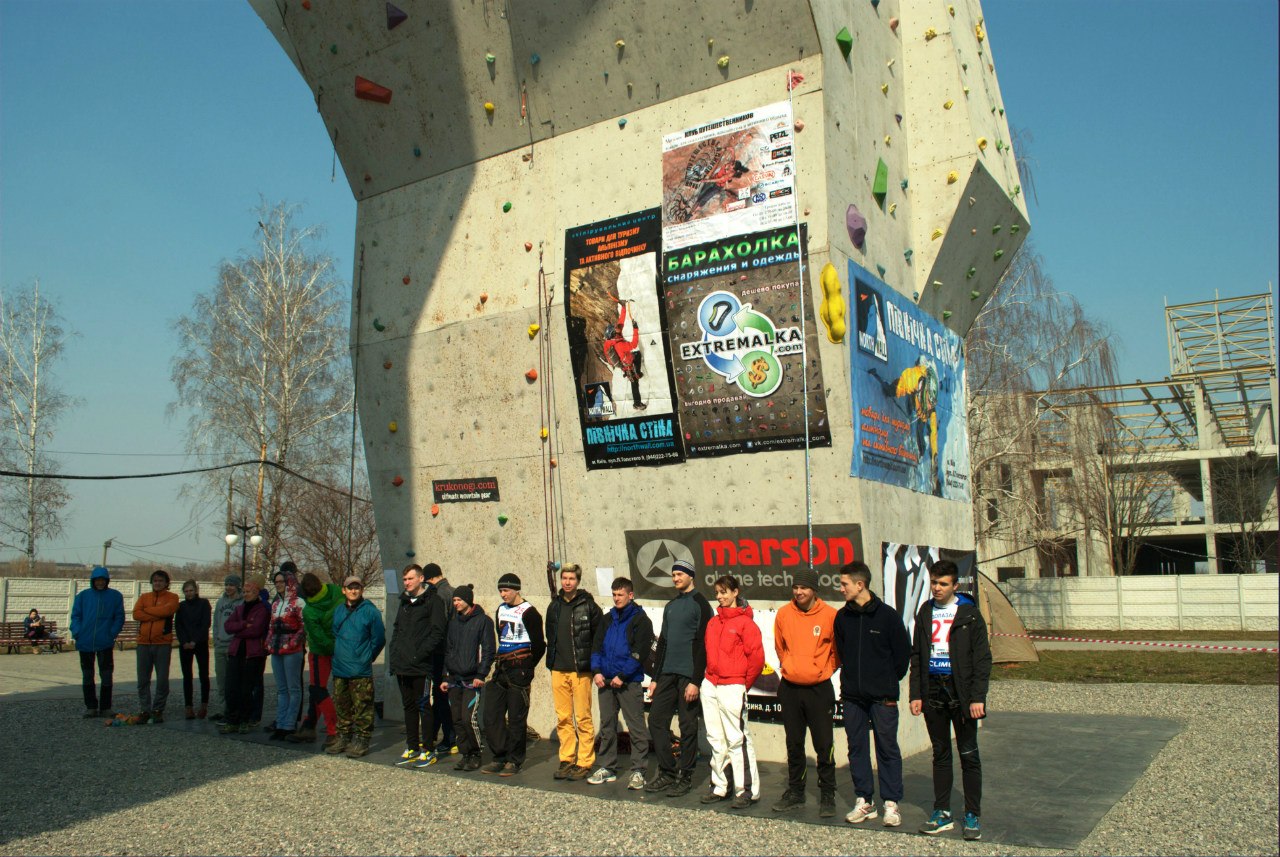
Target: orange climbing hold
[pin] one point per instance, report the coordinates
(531, 375)
(370, 91)
(484, 297)
(398, 481)
(435, 509)
(528, 245)
(405, 280)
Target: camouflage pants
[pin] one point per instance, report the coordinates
(353, 698)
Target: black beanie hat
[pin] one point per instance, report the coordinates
(466, 593)
(509, 581)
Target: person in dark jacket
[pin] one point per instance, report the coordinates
(417, 635)
(874, 651)
(950, 670)
(358, 638)
(447, 742)
(468, 655)
(247, 657)
(572, 618)
(191, 624)
(623, 640)
(521, 646)
(680, 665)
(97, 616)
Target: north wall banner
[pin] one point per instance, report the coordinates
(616, 344)
(739, 349)
(907, 379)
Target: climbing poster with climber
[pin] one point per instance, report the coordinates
(616, 344)
(728, 177)
(740, 349)
(907, 379)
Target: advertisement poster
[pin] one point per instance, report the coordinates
(734, 321)
(728, 177)
(478, 489)
(764, 559)
(616, 343)
(907, 379)
(906, 576)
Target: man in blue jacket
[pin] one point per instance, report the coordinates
(623, 640)
(358, 638)
(97, 615)
(874, 654)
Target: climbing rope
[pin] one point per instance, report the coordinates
(792, 81)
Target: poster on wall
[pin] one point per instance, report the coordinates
(906, 576)
(907, 380)
(764, 559)
(616, 345)
(734, 321)
(731, 176)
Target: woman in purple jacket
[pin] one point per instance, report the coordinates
(247, 657)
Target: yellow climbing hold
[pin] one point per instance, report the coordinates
(930, 34)
(832, 310)
(723, 62)
(951, 10)
(937, 233)
(544, 433)
(884, 87)
(953, 177)
(982, 144)
(948, 104)
(393, 427)
(893, 206)
(887, 139)
(533, 330)
(488, 107)
(620, 44)
(977, 31)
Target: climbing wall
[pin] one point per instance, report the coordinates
(474, 135)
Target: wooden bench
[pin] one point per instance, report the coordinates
(128, 634)
(13, 637)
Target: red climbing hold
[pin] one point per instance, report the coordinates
(370, 91)
(435, 509)
(406, 281)
(306, 4)
(531, 375)
(528, 245)
(395, 16)
(398, 481)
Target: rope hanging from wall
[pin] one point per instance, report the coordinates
(794, 77)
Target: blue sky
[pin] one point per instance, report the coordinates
(137, 137)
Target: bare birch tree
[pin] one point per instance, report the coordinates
(32, 339)
(262, 373)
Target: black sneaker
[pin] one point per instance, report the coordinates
(742, 801)
(682, 786)
(462, 764)
(788, 800)
(827, 806)
(90, 713)
(972, 827)
(473, 763)
(661, 783)
(712, 797)
(565, 769)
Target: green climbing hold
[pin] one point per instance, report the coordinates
(410, 554)
(997, 254)
(333, 49)
(417, 151)
(1014, 229)
(946, 314)
(969, 274)
(907, 254)
(880, 268)
(845, 40)
(377, 325)
(375, 242)
(974, 295)
(880, 187)
(506, 206)
(490, 59)
(995, 229)
(502, 520)
(903, 184)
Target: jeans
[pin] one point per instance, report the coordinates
(244, 675)
(200, 654)
(106, 668)
(287, 670)
(153, 658)
(220, 674)
(861, 717)
(942, 713)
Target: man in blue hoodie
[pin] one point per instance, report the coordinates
(97, 615)
(623, 640)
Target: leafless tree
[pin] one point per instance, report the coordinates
(261, 370)
(1244, 496)
(321, 539)
(32, 339)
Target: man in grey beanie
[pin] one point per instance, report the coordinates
(230, 599)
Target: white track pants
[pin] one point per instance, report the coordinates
(724, 714)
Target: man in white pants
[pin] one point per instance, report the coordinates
(735, 658)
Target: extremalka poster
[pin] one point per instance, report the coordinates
(907, 379)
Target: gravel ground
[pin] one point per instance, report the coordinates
(1212, 790)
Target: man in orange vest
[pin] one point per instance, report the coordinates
(154, 611)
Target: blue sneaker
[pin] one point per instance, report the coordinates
(428, 759)
(972, 829)
(937, 823)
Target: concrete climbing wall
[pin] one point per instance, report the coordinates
(505, 125)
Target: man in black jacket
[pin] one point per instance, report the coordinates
(572, 618)
(950, 670)
(418, 635)
(679, 667)
(469, 649)
(874, 653)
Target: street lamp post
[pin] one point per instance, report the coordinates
(245, 540)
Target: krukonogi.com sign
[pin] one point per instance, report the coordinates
(475, 489)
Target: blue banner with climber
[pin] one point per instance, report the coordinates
(907, 379)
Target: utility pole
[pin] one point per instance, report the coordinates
(105, 547)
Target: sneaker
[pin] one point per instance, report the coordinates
(937, 823)
(712, 797)
(742, 800)
(827, 806)
(578, 773)
(473, 762)
(409, 756)
(510, 769)
(788, 800)
(864, 809)
(565, 769)
(429, 758)
(892, 818)
(494, 767)
(358, 747)
(462, 763)
(636, 782)
(972, 829)
(661, 782)
(602, 776)
(90, 713)
(682, 786)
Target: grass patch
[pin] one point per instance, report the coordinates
(1094, 667)
(1194, 636)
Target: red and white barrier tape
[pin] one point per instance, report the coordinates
(1142, 643)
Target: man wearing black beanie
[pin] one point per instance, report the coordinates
(521, 645)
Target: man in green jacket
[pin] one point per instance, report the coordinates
(317, 616)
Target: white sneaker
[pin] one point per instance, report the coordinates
(891, 816)
(636, 783)
(862, 810)
(602, 776)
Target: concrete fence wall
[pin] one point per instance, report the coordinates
(1218, 602)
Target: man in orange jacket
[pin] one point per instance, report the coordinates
(804, 636)
(154, 611)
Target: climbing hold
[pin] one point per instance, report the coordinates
(946, 314)
(533, 329)
(534, 59)
(908, 253)
(930, 34)
(965, 90)
(982, 144)
(490, 59)
(393, 427)
(368, 177)
(435, 509)
(405, 279)
(488, 107)
(799, 125)
(884, 88)
(973, 201)
(543, 434)
(1014, 229)
(386, 364)
(620, 44)
(502, 520)
(531, 375)
(794, 79)
(903, 184)
(997, 254)
(370, 91)
(622, 123)
(887, 139)
(557, 565)
(377, 325)
(554, 463)
(964, 66)
(395, 16)
(398, 481)
(723, 62)
(969, 274)
(832, 309)
(973, 232)
(506, 206)
(953, 177)
(889, 63)
(484, 297)
(974, 295)
(880, 187)
(893, 207)
(995, 229)
(333, 49)
(856, 225)
(999, 145)
(915, 296)
(417, 151)
(951, 10)
(937, 283)
(875, 4)
(710, 43)
(306, 4)
(630, 86)
(880, 268)
(893, 24)
(528, 245)
(897, 117)
(410, 554)
(936, 234)
(948, 104)
(845, 40)
(977, 31)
